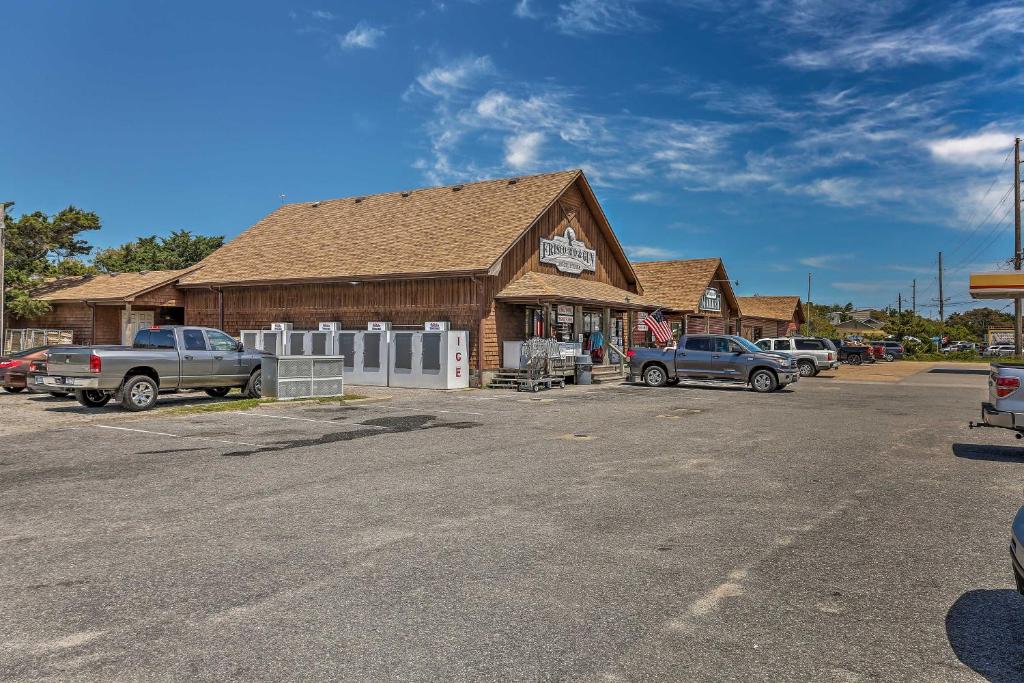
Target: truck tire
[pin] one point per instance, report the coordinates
(13, 390)
(854, 359)
(655, 376)
(254, 388)
(139, 393)
(763, 381)
(889, 358)
(217, 392)
(807, 368)
(92, 398)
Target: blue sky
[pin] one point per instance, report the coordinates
(851, 139)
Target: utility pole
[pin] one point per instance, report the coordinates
(899, 303)
(3, 282)
(942, 302)
(913, 296)
(807, 307)
(1016, 244)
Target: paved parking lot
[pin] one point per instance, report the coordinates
(837, 530)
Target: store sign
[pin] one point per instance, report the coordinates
(436, 326)
(641, 326)
(711, 301)
(565, 314)
(378, 327)
(568, 254)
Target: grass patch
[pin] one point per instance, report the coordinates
(964, 357)
(250, 403)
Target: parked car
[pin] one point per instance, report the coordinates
(997, 350)
(724, 358)
(959, 346)
(15, 368)
(813, 354)
(165, 358)
(891, 350)
(1017, 550)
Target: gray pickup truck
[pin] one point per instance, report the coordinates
(724, 358)
(166, 358)
(1005, 405)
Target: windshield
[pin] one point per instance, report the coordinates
(748, 345)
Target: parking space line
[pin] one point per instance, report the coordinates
(180, 436)
(419, 410)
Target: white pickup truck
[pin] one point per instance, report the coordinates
(1005, 405)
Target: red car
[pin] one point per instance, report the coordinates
(15, 368)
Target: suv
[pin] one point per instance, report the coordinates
(813, 354)
(997, 350)
(891, 350)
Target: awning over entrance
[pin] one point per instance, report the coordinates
(1004, 285)
(534, 286)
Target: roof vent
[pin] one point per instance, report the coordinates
(315, 204)
(406, 193)
(513, 181)
(359, 199)
(456, 188)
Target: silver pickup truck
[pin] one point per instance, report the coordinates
(166, 358)
(1005, 405)
(724, 358)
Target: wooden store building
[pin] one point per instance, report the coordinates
(696, 294)
(108, 308)
(770, 316)
(504, 259)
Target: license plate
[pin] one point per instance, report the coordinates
(39, 379)
(69, 381)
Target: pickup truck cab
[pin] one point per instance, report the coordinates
(723, 358)
(812, 353)
(165, 358)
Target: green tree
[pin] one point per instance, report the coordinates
(180, 250)
(38, 247)
(979, 320)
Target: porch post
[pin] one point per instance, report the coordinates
(606, 324)
(126, 323)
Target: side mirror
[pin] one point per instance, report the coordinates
(240, 347)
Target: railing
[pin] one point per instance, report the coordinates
(623, 360)
(27, 338)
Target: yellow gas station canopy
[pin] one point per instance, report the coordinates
(1002, 285)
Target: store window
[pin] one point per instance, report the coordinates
(758, 332)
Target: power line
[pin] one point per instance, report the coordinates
(967, 233)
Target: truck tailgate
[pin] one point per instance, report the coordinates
(68, 362)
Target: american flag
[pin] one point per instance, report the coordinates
(655, 322)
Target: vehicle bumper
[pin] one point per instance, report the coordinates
(787, 377)
(69, 383)
(830, 365)
(990, 417)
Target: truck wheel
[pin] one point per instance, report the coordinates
(254, 389)
(854, 359)
(92, 398)
(889, 358)
(139, 393)
(763, 382)
(655, 376)
(806, 368)
(218, 392)
(13, 390)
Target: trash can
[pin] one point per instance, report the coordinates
(584, 369)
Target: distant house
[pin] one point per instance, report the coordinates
(770, 316)
(862, 327)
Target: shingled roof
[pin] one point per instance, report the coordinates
(771, 307)
(110, 287)
(680, 284)
(454, 229)
(535, 286)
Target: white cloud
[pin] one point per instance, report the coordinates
(525, 10)
(640, 252)
(362, 36)
(957, 34)
(981, 149)
(646, 197)
(522, 151)
(457, 75)
(323, 14)
(824, 261)
(601, 16)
